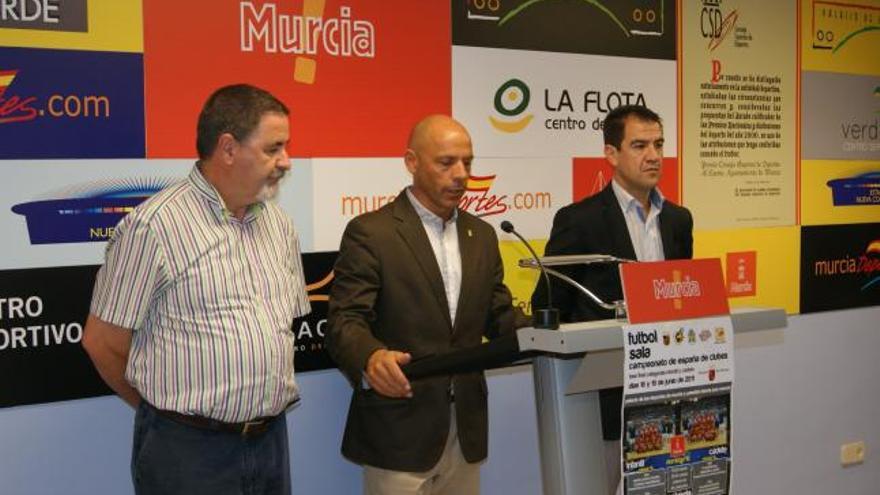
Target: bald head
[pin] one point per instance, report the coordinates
(439, 156)
(432, 128)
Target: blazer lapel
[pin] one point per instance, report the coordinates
(667, 236)
(616, 224)
(410, 228)
(469, 247)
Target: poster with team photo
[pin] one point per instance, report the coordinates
(676, 407)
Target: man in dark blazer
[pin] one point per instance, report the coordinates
(629, 219)
(418, 277)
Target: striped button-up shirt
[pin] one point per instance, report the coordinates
(210, 299)
(644, 230)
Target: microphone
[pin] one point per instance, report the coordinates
(548, 317)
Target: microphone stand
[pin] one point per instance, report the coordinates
(619, 307)
(546, 318)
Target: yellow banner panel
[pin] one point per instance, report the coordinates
(841, 36)
(520, 281)
(770, 258)
(839, 192)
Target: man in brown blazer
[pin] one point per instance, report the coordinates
(415, 278)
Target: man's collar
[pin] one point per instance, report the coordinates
(626, 199)
(217, 205)
(424, 213)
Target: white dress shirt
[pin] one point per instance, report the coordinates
(644, 230)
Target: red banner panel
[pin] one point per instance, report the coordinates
(591, 175)
(356, 74)
(673, 290)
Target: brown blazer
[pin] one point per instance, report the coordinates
(388, 293)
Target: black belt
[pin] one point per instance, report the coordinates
(256, 426)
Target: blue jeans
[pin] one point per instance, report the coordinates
(169, 458)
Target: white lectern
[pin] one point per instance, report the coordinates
(577, 360)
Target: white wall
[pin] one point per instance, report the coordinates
(83, 447)
(799, 394)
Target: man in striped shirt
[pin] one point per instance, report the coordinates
(191, 314)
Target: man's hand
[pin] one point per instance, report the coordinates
(384, 375)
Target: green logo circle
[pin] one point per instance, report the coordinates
(513, 84)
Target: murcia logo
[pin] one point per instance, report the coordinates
(866, 264)
(742, 274)
(511, 100)
(677, 289)
(306, 35)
